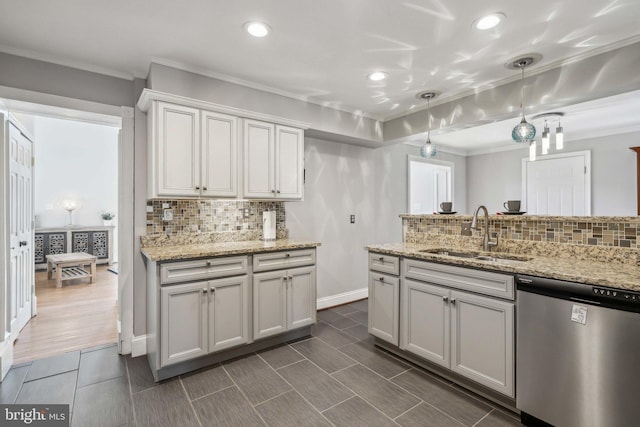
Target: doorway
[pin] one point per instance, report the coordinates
(429, 184)
(61, 107)
(75, 185)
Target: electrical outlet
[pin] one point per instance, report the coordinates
(167, 215)
(466, 229)
(352, 219)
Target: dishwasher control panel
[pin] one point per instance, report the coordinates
(617, 294)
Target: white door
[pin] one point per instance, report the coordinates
(384, 307)
(219, 151)
(228, 312)
(482, 340)
(259, 176)
(558, 185)
(178, 150)
(301, 297)
(424, 325)
(183, 320)
(289, 162)
(429, 185)
(269, 304)
(21, 289)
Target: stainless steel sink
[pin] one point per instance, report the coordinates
(505, 258)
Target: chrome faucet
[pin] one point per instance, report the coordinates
(487, 244)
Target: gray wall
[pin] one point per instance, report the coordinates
(323, 120)
(45, 77)
(496, 177)
(339, 182)
(391, 188)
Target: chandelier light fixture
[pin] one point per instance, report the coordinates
(428, 149)
(524, 131)
(546, 133)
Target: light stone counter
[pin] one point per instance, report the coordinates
(612, 274)
(206, 250)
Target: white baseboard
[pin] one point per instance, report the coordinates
(343, 298)
(6, 357)
(138, 345)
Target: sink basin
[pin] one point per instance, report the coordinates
(504, 258)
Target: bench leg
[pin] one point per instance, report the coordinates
(58, 276)
(93, 272)
(49, 270)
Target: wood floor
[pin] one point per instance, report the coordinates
(77, 316)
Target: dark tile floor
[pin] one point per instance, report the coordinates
(337, 377)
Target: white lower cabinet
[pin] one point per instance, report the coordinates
(384, 306)
(470, 334)
(203, 317)
(283, 300)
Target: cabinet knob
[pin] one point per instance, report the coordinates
(381, 279)
(204, 290)
(287, 255)
(197, 187)
(204, 188)
(453, 301)
(278, 191)
(273, 191)
(213, 290)
(290, 277)
(208, 263)
(445, 299)
(23, 243)
(381, 259)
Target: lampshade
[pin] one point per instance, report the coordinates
(559, 137)
(524, 131)
(428, 149)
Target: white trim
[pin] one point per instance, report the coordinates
(6, 357)
(587, 185)
(343, 298)
(149, 95)
(138, 345)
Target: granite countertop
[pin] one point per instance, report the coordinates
(206, 250)
(615, 275)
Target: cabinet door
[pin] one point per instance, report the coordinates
(384, 306)
(177, 150)
(301, 297)
(269, 304)
(259, 174)
(228, 312)
(219, 151)
(183, 318)
(289, 166)
(424, 324)
(482, 343)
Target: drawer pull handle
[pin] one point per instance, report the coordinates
(208, 263)
(288, 255)
(381, 279)
(381, 259)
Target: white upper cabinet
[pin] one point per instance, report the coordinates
(193, 152)
(273, 161)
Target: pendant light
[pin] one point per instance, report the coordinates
(559, 137)
(545, 139)
(524, 131)
(428, 149)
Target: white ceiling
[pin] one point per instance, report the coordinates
(319, 50)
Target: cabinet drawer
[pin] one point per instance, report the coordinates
(384, 263)
(283, 260)
(202, 269)
(482, 282)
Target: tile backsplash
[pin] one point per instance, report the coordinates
(621, 232)
(211, 216)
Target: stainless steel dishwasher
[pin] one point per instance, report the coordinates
(578, 354)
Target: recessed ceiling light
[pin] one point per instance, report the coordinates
(377, 76)
(489, 21)
(257, 29)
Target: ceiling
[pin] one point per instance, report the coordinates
(320, 51)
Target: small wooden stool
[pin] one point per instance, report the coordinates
(71, 266)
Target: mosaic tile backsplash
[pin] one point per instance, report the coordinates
(212, 216)
(623, 232)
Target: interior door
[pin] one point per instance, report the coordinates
(559, 185)
(21, 289)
